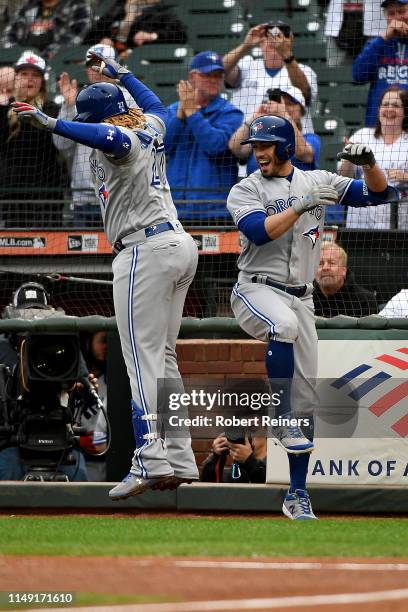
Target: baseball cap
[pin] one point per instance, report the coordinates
(30, 295)
(387, 2)
(32, 60)
(206, 61)
(105, 50)
(294, 93)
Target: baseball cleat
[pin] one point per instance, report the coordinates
(297, 506)
(134, 485)
(291, 439)
(172, 483)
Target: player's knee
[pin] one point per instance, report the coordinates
(287, 329)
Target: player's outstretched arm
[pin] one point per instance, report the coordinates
(379, 192)
(143, 96)
(362, 155)
(107, 138)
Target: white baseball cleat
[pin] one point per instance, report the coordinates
(292, 440)
(297, 506)
(134, 485)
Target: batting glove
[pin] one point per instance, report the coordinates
(33, 115)
(358, 154)
(109, 67)
(321, 195)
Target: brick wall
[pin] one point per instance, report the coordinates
(219, 359)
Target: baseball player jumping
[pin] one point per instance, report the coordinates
(279, 211)
(155, 258)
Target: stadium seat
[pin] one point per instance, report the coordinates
(72, 60)
(330, 128)
(328, 156)
(165, 54)
(261, 12)
(348, 102)
(9, 56)
(216, 25)
(311, 53)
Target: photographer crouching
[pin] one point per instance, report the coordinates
(49, 407)
(247, 454)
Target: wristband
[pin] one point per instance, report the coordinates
(289, 60)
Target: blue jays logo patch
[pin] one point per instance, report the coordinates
(313, 233)
(258, 126)
(103, 195)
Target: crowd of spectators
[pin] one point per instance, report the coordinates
(213, 106)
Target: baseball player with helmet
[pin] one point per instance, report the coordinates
(155, 259)
(279, 211)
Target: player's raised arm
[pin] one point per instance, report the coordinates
(143, 96)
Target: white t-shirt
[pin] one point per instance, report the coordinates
(254, 82)
(397, 306)
(387, 156)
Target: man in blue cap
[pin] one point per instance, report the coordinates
(384, 60)
(200, 124)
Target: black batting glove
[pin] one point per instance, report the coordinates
(358, 154)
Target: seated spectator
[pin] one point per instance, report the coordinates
(389, 143)
(7, 76)
(29, 166)
(287, 102)
(200, 165)
(382, 61)
(336, 292)
(137, 22)
(278, 68)
(397, 306)
(249, 460)
(47, 25)
(85, 208)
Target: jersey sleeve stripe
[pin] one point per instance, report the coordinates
(346, 190)
(245, 213)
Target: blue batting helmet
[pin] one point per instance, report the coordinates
(100, 100)
(269, 128)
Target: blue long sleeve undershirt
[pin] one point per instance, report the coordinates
(144, 97)
(107, 138)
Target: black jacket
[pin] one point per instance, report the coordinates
(252, 470)
(29, 162)
(159, 18)
(352, 300)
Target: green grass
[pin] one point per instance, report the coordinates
(88, 599)
(202, 537)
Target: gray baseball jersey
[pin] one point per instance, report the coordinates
(151, 277)
(133, 191)
(294, 257)
(265, 312)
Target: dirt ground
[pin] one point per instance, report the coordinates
(215, 580)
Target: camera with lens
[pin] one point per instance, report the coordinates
(42, 405)
(274, 28)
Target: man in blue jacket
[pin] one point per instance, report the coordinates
(200, 164)
(384, 60)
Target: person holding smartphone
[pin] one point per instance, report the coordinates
(287, 102)
(250, 77)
